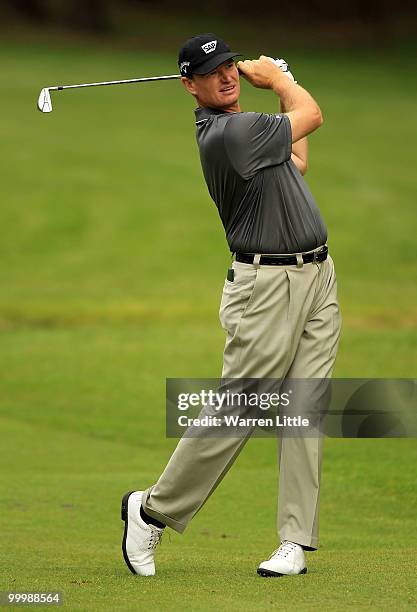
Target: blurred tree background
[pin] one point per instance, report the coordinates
(325, 22)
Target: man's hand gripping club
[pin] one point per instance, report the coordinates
(302, 110)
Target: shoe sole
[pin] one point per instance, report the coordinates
(270, 574)
(124, 517)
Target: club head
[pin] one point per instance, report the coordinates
(44, 101)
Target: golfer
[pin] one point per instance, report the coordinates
(279, 305)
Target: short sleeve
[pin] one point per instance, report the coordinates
(255, 141)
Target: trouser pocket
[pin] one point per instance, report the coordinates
(235, 298)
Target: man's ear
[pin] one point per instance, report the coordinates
(189, 85)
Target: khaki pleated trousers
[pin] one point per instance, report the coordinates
(281, 322)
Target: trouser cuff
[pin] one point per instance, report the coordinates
(308, 542)
(160, 516)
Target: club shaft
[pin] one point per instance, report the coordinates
(126, 81)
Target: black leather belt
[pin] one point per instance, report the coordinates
(284, 260)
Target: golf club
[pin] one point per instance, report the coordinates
(45, 102)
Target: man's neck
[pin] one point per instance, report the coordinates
(234, 108)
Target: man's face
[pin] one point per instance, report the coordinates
(217, 89)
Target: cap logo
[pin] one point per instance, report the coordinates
(184, 67)
(209, 47)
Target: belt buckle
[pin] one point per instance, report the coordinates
(323, 251)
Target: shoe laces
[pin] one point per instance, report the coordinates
(155, 537)
(284, 550)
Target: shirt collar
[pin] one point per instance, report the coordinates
(202, 113)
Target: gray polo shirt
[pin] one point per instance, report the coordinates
(263, 200)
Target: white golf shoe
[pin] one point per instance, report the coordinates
(287, 560)
(139, 538)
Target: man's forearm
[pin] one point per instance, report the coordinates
(299, 155)
(293, 96)
(299, 149)
(303, 110)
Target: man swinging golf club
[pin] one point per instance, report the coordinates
(279, 305)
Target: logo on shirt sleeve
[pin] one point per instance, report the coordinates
(210, 46)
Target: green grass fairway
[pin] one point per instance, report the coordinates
(112, 264)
